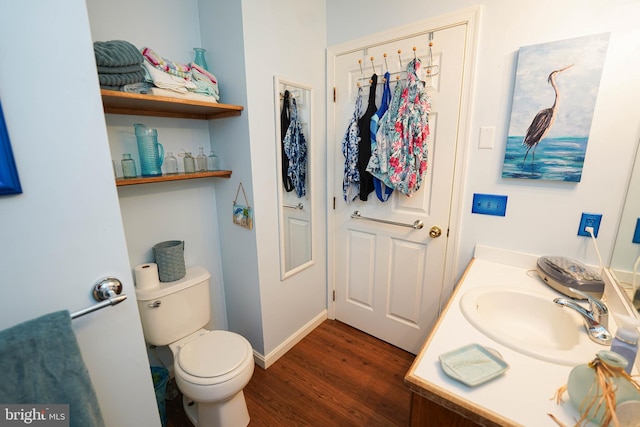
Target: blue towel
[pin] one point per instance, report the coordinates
(41, 363)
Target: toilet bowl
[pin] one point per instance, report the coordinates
(211, 367)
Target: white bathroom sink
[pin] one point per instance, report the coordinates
(530, 324)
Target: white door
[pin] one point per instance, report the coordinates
(64, 232)
(389, 278)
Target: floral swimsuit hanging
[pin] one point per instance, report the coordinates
(400, 157)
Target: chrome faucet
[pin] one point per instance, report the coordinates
(596, 318)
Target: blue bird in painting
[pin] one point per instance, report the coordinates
(543, 121)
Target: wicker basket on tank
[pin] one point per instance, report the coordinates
(169, 256)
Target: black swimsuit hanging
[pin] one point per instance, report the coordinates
(364, 145)
(285, 120)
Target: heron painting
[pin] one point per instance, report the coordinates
(554, 98)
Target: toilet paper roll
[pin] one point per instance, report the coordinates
(147, 276)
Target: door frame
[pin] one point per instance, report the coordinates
(469, 17)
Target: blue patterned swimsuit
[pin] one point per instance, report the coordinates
(295, 148)
(351, 181)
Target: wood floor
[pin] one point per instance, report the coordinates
(336, 376)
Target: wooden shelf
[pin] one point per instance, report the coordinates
(115, 102)
(178, 177)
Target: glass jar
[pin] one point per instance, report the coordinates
(189, 162)
(170, 164)
(583, 386)
(128, 166)
(201, 161)
(212, 162)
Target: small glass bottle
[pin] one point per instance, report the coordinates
(201, 161)
(170, 164)
(200, 58)
(128, 166)
(189, 163)
(212, 162)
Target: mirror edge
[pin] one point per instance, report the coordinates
(621, 276)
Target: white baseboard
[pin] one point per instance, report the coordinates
(265, 361)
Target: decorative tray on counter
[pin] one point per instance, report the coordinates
(473, 364)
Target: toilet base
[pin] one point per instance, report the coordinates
(228, 413)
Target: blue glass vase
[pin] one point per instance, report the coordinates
(200, 58)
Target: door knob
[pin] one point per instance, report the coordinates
(435, 231)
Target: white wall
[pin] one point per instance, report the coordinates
(223, 36)
(285, 38)
(64, 231)
(174, 210)
(542, 217)
(247, 44)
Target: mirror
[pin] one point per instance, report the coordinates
(293, 132)
(626, 253)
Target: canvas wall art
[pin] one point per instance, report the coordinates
(554, 98)
(9, 181)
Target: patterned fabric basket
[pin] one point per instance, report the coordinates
(169, 256)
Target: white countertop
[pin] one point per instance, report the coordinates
(524, 394)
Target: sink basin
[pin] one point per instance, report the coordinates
(530, 324)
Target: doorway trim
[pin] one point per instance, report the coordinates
(469, 17)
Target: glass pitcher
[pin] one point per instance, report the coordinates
(151, 152)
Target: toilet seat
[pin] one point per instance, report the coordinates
(213, 354)
(213, 357)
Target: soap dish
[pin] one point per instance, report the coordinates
(473, 364)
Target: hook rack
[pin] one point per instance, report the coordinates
(373, 67)
(430, 69)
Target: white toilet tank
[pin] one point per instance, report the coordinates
(174, 310)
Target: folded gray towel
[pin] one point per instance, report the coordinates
(121, 79)
(120, 70)
(41, 363)
(116, 53)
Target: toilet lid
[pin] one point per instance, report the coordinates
(213, 354)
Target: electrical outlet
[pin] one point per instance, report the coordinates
(636, 234)
(589, 220)
(489, 204)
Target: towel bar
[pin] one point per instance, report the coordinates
(417, 224)
(298, 206)
(106, 290)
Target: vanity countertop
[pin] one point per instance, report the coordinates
(524, 394)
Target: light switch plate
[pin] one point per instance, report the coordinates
(487, 134)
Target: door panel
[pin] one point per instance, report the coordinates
(360, 286)
(388, 278)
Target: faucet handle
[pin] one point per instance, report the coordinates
(599, 309)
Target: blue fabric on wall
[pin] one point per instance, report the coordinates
(41, 363)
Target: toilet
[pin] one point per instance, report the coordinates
(211, 368)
